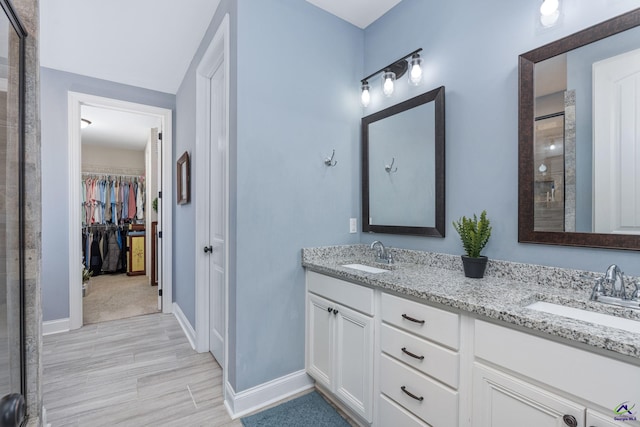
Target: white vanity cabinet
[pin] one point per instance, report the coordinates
(525, 380)
(340, 339)
(419, 363)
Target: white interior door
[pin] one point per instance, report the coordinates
(217, 214)
(616, 144)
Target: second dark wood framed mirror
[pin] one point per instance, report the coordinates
(577, 171)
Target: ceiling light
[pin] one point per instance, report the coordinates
(366, 96)
(387, 82)
(415, 70)
(84, 123)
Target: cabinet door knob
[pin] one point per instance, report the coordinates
(570, 420)
(411, 319)
(408, 393)
(408, 353)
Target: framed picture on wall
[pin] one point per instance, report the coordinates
(183, 173)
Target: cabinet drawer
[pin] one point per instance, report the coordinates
(432, 323)
(433, 360)
(355, 296)
(438, 405)
(392, 414)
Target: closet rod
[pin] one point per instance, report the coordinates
(90, 174)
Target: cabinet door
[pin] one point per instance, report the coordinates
(354, 360)
(500, 400)
(319, 339)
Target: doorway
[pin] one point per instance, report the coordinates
(119, 182)
(78, 105)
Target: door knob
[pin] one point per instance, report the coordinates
(208, 249)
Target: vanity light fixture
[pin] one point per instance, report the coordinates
(392, 72)
(84, 123)
(549, 12)
(387, 83)
(366, 96)
(415, 70)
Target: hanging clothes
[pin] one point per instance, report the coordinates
(112, 199)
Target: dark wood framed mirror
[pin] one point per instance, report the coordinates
(575, 171)
(403, 162)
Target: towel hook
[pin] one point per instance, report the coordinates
(329, 160)
(389, 168)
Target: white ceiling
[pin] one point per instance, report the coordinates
(360, 13)
(117, 129)
(143, 43)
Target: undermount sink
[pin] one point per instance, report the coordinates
(587, 316)
(366, 268)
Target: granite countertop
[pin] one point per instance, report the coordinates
(502, 294)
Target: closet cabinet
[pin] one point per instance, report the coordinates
(340, 340)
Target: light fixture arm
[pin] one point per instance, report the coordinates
(395, 64)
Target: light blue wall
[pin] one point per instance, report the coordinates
(298, 99)
(55, 86)
(472, 49)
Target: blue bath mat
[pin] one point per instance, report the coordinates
(310, 410)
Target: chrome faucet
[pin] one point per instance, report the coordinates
(610, 289)
(382, 254)
(614, 278)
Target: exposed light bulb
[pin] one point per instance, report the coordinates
(415, 73)
(365, 97)
(549, 7)
(387, 87)
(552, 147)
(549, 12)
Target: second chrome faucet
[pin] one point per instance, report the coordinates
(382, 253)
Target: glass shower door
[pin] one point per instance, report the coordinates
(12, 385)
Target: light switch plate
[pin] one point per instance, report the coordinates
(353, 225)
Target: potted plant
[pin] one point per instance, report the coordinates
(474, 234)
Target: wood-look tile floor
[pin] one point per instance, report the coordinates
(139, 371)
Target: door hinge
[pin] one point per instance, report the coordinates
(159, 292)
(159, 136)
(159, 194)
(159, 234)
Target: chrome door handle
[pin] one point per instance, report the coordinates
(208, 249)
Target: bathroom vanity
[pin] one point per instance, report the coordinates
(418, 344)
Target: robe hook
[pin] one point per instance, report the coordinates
(389, 168)
(329, 160)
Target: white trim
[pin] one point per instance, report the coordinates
(258, 397)
(75, 101)
(55, 326)
(185, 324)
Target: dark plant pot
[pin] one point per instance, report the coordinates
(474, 267)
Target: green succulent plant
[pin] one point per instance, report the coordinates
(474, 233)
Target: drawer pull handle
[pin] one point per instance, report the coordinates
(408, 353)
(329, 310)
(408, 393)
(570, 420)
(335, 311)
(411, 319)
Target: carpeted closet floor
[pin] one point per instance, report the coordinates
(118, 296)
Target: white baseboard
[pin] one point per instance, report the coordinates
(255, 398)
(55, 326)
(186, 326)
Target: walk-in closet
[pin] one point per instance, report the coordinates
(118, 214)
